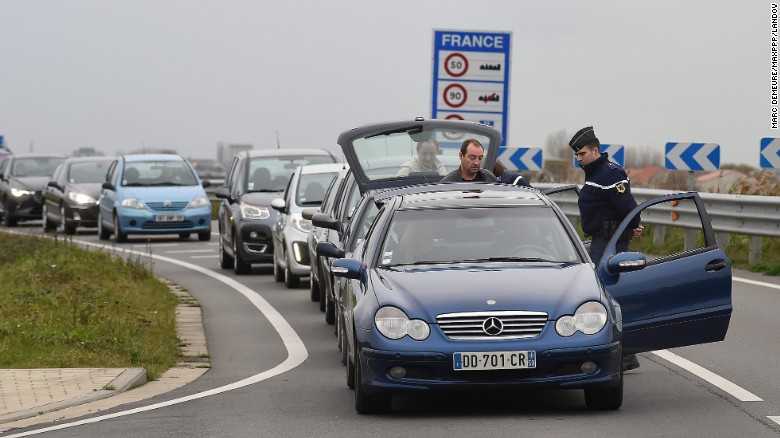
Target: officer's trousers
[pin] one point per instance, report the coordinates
(599, 243)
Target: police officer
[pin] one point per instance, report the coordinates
(605, 200)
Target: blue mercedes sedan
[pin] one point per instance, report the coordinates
(484, 286)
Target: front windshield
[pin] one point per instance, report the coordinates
(88, 172)
(511, 234)
(158, 173)
(39, 166)
(272, 174)
(412, 153)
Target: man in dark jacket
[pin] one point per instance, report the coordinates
(471, 154)
(605, 200)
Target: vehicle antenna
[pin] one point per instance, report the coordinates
(278, 146)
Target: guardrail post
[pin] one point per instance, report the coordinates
(755, 250)
(722, 239)
(690, 239)
(659, 234)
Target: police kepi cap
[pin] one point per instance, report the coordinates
(582, 138)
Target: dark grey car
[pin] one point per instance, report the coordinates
(246, 218)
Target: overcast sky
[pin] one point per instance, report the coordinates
(119, 75)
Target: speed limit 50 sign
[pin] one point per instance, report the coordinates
(471, 77)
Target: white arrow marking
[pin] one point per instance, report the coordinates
(674, 155)
(772, 153)
(701, 156)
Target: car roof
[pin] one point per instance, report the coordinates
(36, 155)
(88, 159)
(286, 152)
(463, 195)
(153, 157)
(323, 168)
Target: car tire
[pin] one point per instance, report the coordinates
(67, 228)
(204, 236)
(184, 235)
(367, 403)
(605, 399)
(119, 236)
(8, 219)
(323, 295)
(291, 280)
(47, 225)
(330, 313)
(350, 367)
(240, 267)
(103, 233)
(342, 340)
(225, 259)
(278, 272)
(314, 289)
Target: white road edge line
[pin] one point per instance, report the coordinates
(756, 283)
(296, 351)
(705, 374)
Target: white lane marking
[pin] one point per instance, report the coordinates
(185, 251)
(716, 380)
(756, 283)
(212, 256)
(296, 351)
(775, 419)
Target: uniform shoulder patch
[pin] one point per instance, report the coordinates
(620, 187)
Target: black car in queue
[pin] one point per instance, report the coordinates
(23, 178)
(245, 216)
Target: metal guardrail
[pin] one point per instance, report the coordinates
(754, 216)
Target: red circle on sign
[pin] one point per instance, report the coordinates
(462, 97)
(453, 135)
(452, 59)
(454, 116)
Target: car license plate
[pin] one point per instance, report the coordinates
(169, 218)
(493, 360)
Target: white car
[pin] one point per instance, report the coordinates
(306, 189)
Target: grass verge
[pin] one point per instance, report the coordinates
(62, 306)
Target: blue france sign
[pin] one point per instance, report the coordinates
(521, 158)
(615, 151)
(692, 156)
(471, 77)
(770, 153)
(1, 141)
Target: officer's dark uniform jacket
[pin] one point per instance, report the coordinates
(605, 199)
(455, 176)
(514, 179)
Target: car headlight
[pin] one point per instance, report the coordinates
(393, 323)
(18, 193)
(199, 201)
(132, 203)
(81, 198)
(249, 211)
(589, 319)
(300, 223)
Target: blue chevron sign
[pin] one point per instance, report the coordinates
(615, 151)
(692, 156)
(521, 158)
(770, 153)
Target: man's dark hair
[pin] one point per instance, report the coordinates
(466, 144)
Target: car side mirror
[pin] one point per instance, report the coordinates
(222, 192)
(328, 249)
(108, 186)
(626, 262)
(53, 183)
(308, 213)
(205, 183)
(279, 205)
(348, 268)
(325, 221)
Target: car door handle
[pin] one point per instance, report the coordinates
(715, 265)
